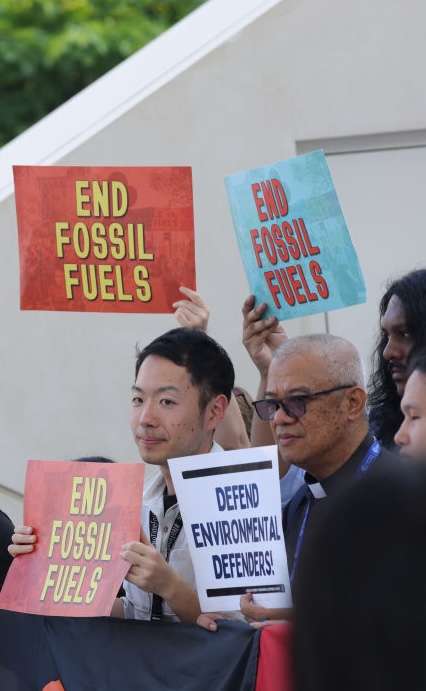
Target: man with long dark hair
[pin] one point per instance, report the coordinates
(403, 332)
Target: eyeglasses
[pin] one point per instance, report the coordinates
(293, 406)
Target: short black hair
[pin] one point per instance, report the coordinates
(418, 362)
(208, 364)
(94, 459)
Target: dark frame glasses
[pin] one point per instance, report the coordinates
(293, 406)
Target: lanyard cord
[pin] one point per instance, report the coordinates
(300, 538)
(157, 600)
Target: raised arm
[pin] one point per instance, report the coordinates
(261, 337)
(193, 312)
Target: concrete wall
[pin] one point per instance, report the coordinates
(291, 72)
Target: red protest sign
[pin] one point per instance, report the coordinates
(82, 514)
(103, 239)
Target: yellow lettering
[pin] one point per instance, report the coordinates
(99, 541)
(120, 198)
(96, 577)
(105, 282)
(49, 582)
(105, 556)
(75, 495)
(100, 198)
(81, 240)
(141, 243)
(101, 246)
(88, 494)
(78, 597)
(81, 198)
(122, 296)
(70, 583)
(60, 583)
(94, 496)
(89, 551)
(60, 239)
(54, 539)
(116, 233)
(68, 534)
(70, 281)
(131, 241)
(143, 292)
(88, 275)
(101, 496)
(80, 530)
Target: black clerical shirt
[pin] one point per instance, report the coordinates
(295, 511)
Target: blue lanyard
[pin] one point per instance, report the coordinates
(363, 467)
(300, 538)
(368, 459)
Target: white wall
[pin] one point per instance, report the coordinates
(382, 194)
(303, 70)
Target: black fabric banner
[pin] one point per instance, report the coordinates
(107, 654)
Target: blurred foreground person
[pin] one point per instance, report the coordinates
(360, 590)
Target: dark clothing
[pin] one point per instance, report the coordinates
(376, 417)
(294, 512)
(6, 532)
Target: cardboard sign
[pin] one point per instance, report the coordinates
(231, 509)
(82, 514)
(293, 239)
(104, 239)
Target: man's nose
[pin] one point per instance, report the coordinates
(282, 418)
(401, 437)
(147, 414)
(391, 350)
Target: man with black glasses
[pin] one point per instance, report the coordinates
(315, 399)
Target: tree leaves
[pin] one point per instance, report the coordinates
(51, 49)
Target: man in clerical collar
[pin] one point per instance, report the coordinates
(316, 401)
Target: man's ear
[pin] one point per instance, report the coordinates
(216, 410)
(356, 402)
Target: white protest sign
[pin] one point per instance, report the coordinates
(231, 509)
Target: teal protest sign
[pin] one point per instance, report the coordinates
(294, 242)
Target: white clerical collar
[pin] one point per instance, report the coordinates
(317, 490)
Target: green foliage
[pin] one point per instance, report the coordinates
(51, 49)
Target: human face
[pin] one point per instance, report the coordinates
(316, 442)
(165, 415)
(399, 344)
(411, 436)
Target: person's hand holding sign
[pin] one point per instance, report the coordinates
(259, 616)
(192, 312)
(261, 337)
(150, 571)
(23, 540)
